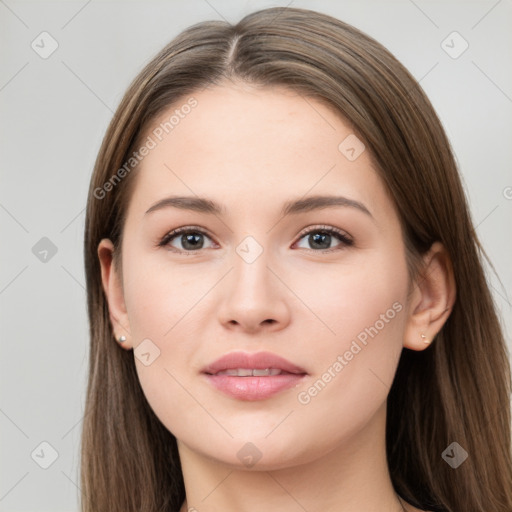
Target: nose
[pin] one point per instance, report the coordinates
(253, 297)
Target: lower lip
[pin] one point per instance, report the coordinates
(254, 388)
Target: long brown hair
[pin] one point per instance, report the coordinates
(457, 390)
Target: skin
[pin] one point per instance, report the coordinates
(251, 150)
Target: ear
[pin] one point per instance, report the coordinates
(431, 300)
(113, 288)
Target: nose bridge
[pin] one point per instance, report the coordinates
(253, 295)
(251, 269)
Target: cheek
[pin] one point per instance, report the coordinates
(158, 302)
(160, 296)
(365, 306)
(351, 298)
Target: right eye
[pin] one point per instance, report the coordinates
(190, 239)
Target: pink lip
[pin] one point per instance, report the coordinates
(253, 388)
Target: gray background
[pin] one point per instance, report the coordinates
(53, 114)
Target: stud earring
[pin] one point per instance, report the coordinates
(425, 339)
(121, 339)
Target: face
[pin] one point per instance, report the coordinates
(323, 284)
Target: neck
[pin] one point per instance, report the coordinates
(352, 477)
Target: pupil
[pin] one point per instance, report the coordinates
(191, 239)
(318, 237)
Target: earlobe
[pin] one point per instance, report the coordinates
(112, 286)
(432, 299)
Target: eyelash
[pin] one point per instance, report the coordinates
(345, 240)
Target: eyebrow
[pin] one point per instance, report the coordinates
(202, 205)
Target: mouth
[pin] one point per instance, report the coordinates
(246, 376)
(255, 372)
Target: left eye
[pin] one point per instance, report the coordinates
(321, 238)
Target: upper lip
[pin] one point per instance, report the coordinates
(257, 361)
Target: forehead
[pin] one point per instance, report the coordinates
(250, 146)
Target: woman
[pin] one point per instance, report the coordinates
(279, 243)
